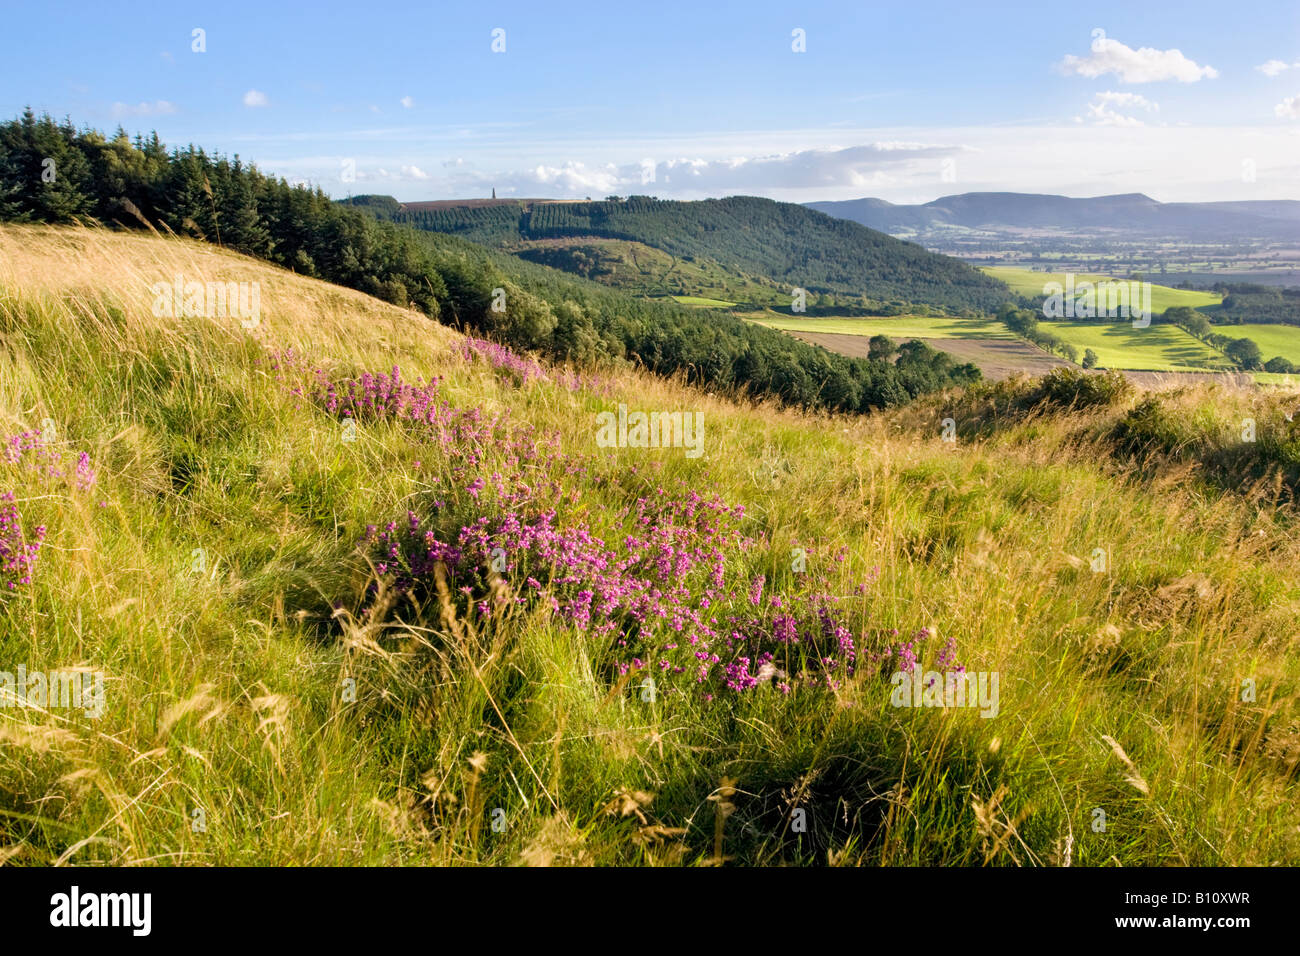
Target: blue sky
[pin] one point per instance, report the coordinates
(905, 101)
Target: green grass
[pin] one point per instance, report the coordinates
(1276, 378)
(703, 302)
(1273, 340)
(226, 686)
(1157, 348)
(896, 327)
(1028, 282)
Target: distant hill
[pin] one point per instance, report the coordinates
(1132, 214)
(788, 244)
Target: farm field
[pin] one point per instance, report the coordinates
(896, 327)
(1157, 348)
(1030, 283)
(996, 358)
(702, 302)
(1283, 340)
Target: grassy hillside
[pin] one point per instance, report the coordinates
(434, 642)
(639, 269)
(782, 242)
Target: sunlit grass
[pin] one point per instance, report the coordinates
(228, 696)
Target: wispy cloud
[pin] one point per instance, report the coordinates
(1289, 108)
(406, 173)
(1171, 162)
(256, 98)
(1104, 110)
(155, 108)
(1144, 65)
(1276, 67)
(861, 167)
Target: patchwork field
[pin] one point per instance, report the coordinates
(999, 353)
(1030, 283)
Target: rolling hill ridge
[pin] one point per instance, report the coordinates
(788, 244)
(1132, 213)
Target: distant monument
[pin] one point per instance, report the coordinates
(494, 192)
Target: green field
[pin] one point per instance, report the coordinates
(1156, 348)
(702, 302)
(1273, 340)
(895, 326)
(1029, 283)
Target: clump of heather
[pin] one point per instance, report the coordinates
(521, 368)
(462, 436)
(17, 551)
(40, 463)
(30, 450)
(668, 597)
(670, 594)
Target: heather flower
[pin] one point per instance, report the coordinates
(41, 462)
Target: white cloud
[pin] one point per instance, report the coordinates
(1128, 100)
(863, 167)
(1289, 108)
(405, 174)
(1104, 108)
(407, 102)
(1147, 65)
(1275, 67)
(156, 108)
(256, 98)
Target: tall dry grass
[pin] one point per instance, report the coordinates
(232, 734)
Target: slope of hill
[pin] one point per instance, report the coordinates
(784, 242)
(1131, 215)
(359, 590)
(639, 269)
(527, 305)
